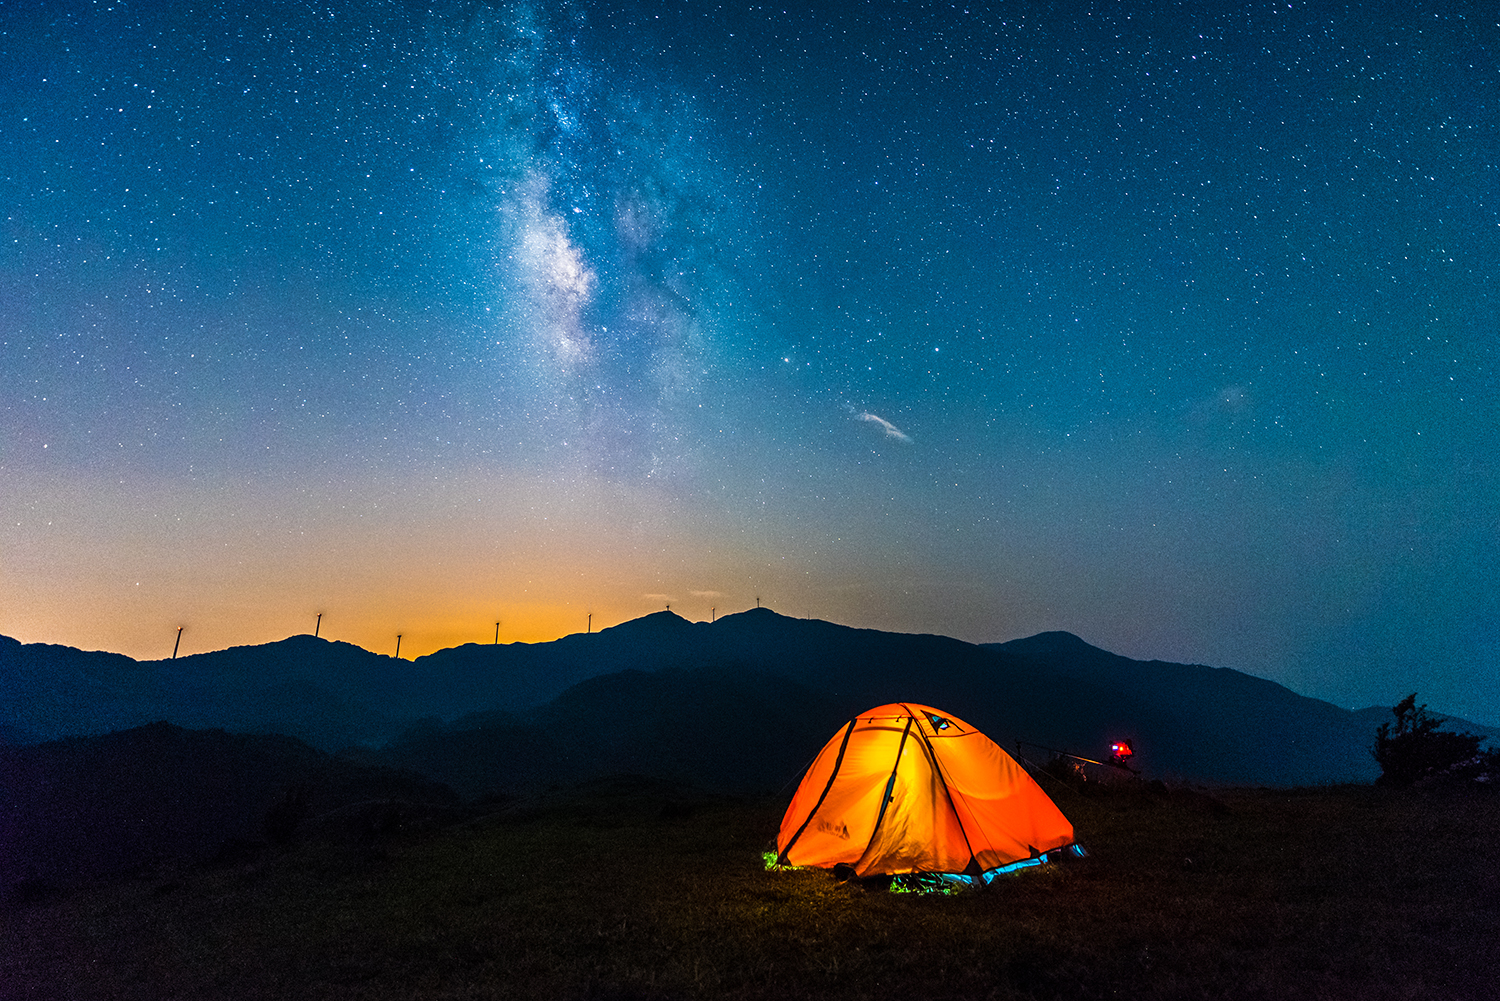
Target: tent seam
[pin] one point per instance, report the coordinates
(837, 764)
(890, 783)
(937, 769)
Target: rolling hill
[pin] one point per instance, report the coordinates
(737, 703)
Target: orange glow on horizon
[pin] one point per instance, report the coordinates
(120, 566)
(98, 563)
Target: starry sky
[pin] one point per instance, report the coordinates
(1170, 325)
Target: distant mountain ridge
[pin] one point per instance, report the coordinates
(1189, 721)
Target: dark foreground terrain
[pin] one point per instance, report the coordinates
(630, 889)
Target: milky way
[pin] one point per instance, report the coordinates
(609, 221)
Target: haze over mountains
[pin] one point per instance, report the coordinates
(754, 694)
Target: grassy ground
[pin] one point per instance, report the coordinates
(619, 892)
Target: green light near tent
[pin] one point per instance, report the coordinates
(926, 882)
(770, 859)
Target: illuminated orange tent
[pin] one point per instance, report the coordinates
(905, 788)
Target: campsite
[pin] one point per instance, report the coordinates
(630, 888)
(728, 828)
(639, 835)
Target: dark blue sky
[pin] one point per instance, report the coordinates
(1172, 326)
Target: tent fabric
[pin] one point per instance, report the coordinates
(908, 788)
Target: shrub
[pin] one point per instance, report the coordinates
(1416, 748)
(1067, 771)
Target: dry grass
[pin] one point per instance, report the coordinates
(1333, 893)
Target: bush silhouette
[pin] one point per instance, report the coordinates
(1416, 748)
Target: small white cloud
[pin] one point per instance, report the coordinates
(891, 430)
(1228, 402)
(1234, 398)
(706, 594)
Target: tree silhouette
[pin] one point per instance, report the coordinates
(1416, 747)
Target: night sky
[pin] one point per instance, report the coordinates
(1173, 326)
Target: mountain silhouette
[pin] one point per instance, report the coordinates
(735, 703)
(720, 731)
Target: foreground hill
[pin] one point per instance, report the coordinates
(94, 807)
(740, 703)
